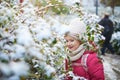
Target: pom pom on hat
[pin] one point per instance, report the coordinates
(77, 28)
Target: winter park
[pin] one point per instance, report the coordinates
(59, 40)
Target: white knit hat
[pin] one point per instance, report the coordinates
(77, 28)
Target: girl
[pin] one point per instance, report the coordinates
(84, 63)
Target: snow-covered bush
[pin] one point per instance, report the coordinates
(29, 40)
(116, 37)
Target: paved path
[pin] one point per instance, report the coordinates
(111, 66)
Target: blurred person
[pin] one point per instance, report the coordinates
(84, 63)
(107, 33)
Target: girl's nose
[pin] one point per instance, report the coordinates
(69, 43)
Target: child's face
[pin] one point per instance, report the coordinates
(72, 43)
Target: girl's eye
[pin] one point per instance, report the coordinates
(71, 40)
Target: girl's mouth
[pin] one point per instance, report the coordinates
(70, 47)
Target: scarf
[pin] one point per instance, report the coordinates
(74, 55)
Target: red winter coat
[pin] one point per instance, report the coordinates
(94, 67)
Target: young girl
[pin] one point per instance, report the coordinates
(84, 63)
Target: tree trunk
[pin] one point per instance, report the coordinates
(113, 6)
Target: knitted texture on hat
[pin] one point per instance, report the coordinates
(77, 28)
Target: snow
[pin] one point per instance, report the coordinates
(24, 36)
(44, 34)
(33, 51)
(19, 52)
(16, 68)
(108, 70)
(49, 70)
(19, 68)
(71, 2)
(116, 36)
(29, 32)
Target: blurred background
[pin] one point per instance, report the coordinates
(31, 36)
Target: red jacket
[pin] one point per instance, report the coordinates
(94, 70)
